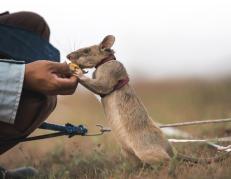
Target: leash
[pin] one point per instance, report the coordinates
(68, 129)
(179, 124)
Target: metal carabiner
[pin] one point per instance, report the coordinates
(102, 130)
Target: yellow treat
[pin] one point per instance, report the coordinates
(73, 67)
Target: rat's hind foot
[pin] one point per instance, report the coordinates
(153, 156)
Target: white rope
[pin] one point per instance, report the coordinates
(223, 139)
(220, 147)
(195, 123)
(207, 141)
(210, 142)
(227, 148)
(187, 140)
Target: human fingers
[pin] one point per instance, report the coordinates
(66, 85)
(61, 68)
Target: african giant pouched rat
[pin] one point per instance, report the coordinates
(139, 136)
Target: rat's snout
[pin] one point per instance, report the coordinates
(71, 56)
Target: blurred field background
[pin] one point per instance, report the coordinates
(167, 101)
(177, 54)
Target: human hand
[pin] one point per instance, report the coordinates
(50, 78)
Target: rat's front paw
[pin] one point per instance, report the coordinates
(78, 73)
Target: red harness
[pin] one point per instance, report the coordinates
(109, 58)
(120, 83)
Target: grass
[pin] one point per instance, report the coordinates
(167, 101)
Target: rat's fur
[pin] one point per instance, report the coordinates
(140, 138)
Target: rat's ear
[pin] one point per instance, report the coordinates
(107, 42)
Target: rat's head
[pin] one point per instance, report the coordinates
(91, 56)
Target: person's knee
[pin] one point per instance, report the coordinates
(28, 20)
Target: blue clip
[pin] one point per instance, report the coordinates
(72, 130)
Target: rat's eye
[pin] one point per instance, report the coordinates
(87, 50)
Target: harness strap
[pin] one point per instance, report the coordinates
(120, 83)
(109, 58)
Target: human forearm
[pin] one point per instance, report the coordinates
(11, 82)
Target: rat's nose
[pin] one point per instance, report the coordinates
(73, 56)
(69, 56)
